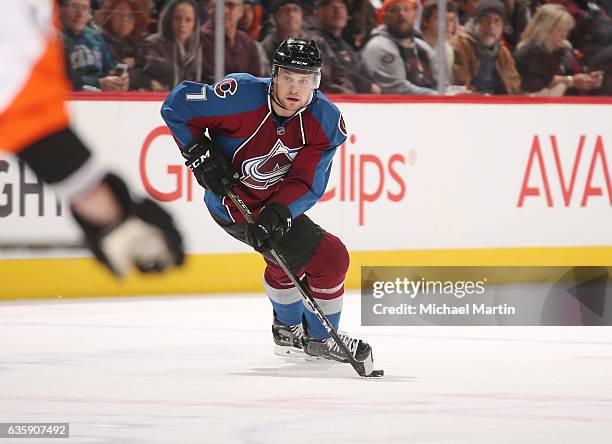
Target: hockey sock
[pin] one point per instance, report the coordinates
(315, 329)
(287, 303)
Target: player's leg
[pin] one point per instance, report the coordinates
(325, 273)
(287, 309)
(297, 247)
(321, 259)
(324, 269)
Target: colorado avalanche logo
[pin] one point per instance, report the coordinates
(263, 171)
(225, 87)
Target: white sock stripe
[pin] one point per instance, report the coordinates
(328, 306)
(326, 290)
(283, 296)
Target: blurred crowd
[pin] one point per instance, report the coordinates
(497, 47)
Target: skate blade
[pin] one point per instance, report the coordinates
(311, 358)
(288, 352)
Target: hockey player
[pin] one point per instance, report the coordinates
(122, 232)
(276, 138)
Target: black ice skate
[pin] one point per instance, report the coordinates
(288, 338)
(328, 349)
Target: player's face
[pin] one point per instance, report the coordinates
(75, 15)
(183, 21)
(122, 20)
(292, 90)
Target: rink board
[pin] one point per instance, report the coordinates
(443, 182)
(219, 273)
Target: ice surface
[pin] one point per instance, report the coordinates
(201, 369)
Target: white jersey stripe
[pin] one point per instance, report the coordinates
(251, 136)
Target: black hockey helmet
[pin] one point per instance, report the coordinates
(300, 56)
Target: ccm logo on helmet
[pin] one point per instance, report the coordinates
(298, 62)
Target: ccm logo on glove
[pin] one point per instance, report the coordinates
(196, 163)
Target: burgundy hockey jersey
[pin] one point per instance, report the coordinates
(281, 160)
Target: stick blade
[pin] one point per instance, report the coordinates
(365, 368)
(375, 374)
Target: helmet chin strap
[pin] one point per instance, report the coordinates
(273, 97)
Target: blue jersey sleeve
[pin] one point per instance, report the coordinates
(192, 108)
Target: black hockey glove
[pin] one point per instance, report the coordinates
(273, 222)
(210, 167)
(145, 237)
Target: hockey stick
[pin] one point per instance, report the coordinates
(363, 368)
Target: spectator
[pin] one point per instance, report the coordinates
(482, 63)
(88, 61)
(267, 18)
(96, 4)
(175, 52)
(123, 24)
(607, 7)
(517, 17)
(429, 33)
(467, 8)
(203, 9)
(602, 61)
(545, 60)
(308, 9)
(241, 54)
(394, 58)
(251, 19)
(251, 24)
(361, 23)
(343, 73)
(593, 27)
(288, 22)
